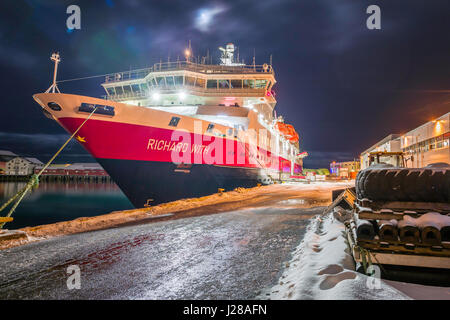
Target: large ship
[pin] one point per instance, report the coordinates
(183, 128)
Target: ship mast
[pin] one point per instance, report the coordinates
(56, 58)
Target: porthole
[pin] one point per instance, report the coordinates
(54, 106)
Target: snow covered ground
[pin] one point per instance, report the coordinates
(322, 268)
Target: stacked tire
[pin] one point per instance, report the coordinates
(387, 183)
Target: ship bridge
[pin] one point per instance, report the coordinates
(187, 83)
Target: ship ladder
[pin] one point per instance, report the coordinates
(34, 180)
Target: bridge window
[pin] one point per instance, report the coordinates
(224, 84)
(127, 89)
(135, 87)
(236, 84)
(169, 81)
(144, 87)
(249, 83)
(211, 84)
(160, 81)
(119, 90)
(178, 80)
(111, 91)
(174, 121)
(153, 82)
(190, 81)
(200, 83)
(260, 84)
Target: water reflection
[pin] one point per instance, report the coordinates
(59, 201)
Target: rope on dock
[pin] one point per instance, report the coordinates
(34, 180)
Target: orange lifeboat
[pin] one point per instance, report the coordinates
(287, 130)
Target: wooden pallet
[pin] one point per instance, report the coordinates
(410, 260)
(397, 208)
(442, 250)
(392, 213)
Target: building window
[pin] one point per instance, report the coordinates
(174, 121)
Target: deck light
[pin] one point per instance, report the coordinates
(182, 95)
(156, 96)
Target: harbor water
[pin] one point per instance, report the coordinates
(60, 201)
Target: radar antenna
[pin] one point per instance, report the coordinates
(227, 58)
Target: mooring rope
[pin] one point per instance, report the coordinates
(84, 78)
(34, 180)
(105, 75)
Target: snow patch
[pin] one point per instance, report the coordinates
(322, 268)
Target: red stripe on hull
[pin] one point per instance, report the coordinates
(122, 141)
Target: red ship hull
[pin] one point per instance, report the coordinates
(140, 159)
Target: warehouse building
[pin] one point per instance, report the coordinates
(345, 170)
(76, 169)
(423, 145)
(5, 156)
(428, 143)
(21, 166)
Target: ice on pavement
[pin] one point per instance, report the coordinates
(113, 219)
(322, 268)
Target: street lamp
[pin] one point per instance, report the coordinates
(187, 54)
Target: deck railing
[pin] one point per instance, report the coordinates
(188, 66)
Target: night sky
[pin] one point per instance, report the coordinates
(342, 86)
